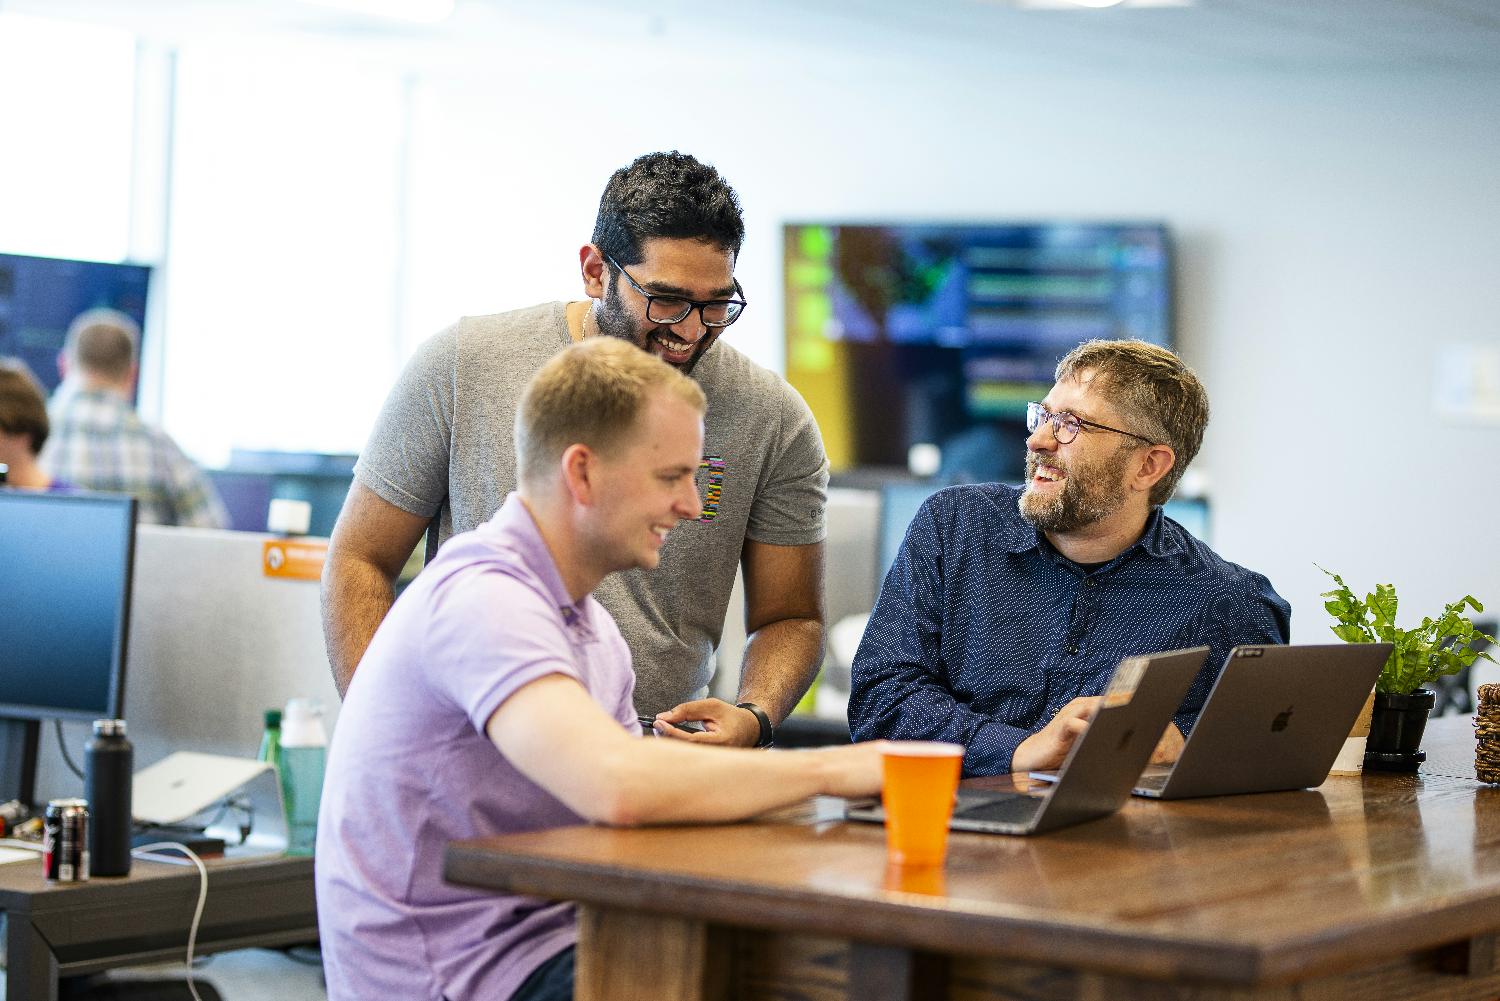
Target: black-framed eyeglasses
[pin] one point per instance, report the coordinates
(1065, 426)
(668, 309)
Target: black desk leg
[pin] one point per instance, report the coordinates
(890, 973)
(32, 969)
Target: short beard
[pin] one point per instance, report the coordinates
(1089, 495)
(614, 320)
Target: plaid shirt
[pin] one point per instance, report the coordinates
(99, 442)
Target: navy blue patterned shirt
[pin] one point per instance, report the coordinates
(983, 630)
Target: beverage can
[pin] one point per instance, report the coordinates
(65, 841)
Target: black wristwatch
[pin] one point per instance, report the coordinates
(767, 729)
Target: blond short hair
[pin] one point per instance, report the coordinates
(1154, 390)
(591, 394)
(103, 342)
(23, 404)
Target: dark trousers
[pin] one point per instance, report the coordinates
(552, 981)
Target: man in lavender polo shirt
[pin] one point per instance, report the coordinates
(496, 697)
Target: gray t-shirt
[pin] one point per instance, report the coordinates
(443, 448)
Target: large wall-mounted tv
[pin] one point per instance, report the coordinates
(40, 296)
(900, 335)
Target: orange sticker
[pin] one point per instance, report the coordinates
(297, 560)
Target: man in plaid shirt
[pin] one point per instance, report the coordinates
(99, 442)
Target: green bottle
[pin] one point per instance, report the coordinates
(270, 741)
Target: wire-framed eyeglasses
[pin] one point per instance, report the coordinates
(1065, 426)
(668, 309)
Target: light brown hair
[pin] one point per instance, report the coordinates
(23, 405)
(1155, 392)
(591, 394)
(102, 342)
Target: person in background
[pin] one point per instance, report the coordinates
(1007, 609)
(99, 442)
(23, 426)
(496, 697)
(658, 274)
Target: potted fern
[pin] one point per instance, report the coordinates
(1434, 649)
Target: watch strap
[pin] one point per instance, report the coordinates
(767, 729)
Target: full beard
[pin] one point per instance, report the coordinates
(1088, 495)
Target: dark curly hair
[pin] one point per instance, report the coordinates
(667, 195)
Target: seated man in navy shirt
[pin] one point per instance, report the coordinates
(1008, 608)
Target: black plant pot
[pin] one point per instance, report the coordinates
(1396, 731)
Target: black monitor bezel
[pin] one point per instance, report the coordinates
(116, 699)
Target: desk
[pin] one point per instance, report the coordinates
(63, 929)
(1380, 886)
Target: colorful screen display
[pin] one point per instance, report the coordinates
(904, 335)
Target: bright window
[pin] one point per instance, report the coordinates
(281, 292)
(69, 110)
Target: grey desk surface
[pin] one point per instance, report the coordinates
(61, 929)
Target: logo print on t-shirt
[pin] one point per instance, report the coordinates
(715, 466)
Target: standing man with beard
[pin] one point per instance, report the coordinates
(658, 273)
(1007, 609)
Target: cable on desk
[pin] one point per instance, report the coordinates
(149, 853)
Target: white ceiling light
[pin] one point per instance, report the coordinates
(420, 11)
(1097, 3)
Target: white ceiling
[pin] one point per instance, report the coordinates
(1232, 35)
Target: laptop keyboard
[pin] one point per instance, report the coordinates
(1013, 809)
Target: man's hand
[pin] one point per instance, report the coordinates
(1169, 748)
(722, 723)
(1049, 746)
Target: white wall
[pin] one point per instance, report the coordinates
(1333, 231)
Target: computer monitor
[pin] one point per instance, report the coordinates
(899, 504)
(903, 334)
(321, 479)
(40, 297)
(65, 573)
(246, 496)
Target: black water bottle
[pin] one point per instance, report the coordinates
(108, 765)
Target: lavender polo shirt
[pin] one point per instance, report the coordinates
(411, 769)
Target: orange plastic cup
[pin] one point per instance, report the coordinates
(921, 778)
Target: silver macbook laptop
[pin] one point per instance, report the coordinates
(1103, 763)
(1274, 720)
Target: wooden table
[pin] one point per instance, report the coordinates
(1385, 886)
(63, 929)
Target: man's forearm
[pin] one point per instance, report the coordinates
(781, 659)
(356, 597)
